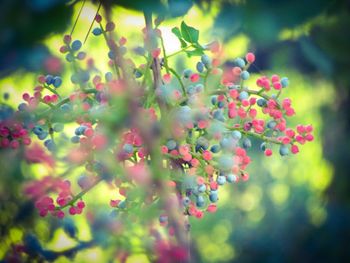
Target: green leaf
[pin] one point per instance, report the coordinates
(194, 52)
(190, 34)
(176, 32)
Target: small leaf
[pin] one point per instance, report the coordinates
(183, 43)
(189, 33)
(176, 32)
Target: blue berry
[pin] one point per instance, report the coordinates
(37, 130)
(171, 144)
(243, 95)
(76, 45)
(187, 73)
(23, 106)
(231, 178)
(123, 50)
(191, 90)
(271, 124)
(137, 73)
(225, 162)
(199, 87)
(215, 148)
(57, 81)
(284, 82)
(227, 143)
(218, 115)
(240, 62)
(200, 67)
(122, 204)
(202, 143)
(49, 79)
(108, 76)
(206, 60)
(221, 180)
(66, 107)
(200, 201)
(186, 201)
(261, 102)
(70, 57)
(237, 135)
(128, 148)
(81, 55)
(163, 219)
(83, 76)
(75, 139)
(97, 31)
(245, 75)
(6, 96)
(213, 196)
(50, 145)
(214, 100)
(247, 143)
(201, 188)
(284, 150)
(43, 135)
(221, 104)
(263, 146)
(139, 51)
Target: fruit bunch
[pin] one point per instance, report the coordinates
(160, 136)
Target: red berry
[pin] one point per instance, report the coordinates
(250, 57)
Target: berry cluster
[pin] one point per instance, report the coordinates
(45, 204)
(203, 121)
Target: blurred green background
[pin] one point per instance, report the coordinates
(293, 209)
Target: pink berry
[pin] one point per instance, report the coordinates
(156, 53)
(268, 152)
(14, 144)
(98, 18)
(194, 77)
(250, 57)
(275, 78)
(294, 149)
(72, 210)
(60, 214)
(81, 204)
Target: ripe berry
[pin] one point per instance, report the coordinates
(171, 144)
(237, 135)
(206, 60)
(245, 75)
(284, 82)
(128, 148)
(76, 45)
(213, 196)
(200, 201)
(215, 148)
(200, 67)
(250, 57)
(246, 143)
(221, 179)
(240, 62)
(57, 81)
(243, 95)
(97, 31)
(284, 150)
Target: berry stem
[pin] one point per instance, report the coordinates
(80, 195)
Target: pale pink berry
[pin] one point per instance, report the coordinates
(250, 57)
